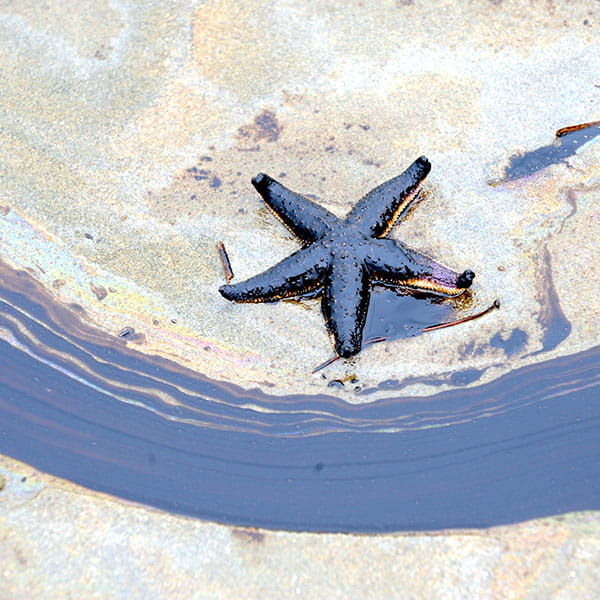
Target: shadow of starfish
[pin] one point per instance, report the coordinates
(344, 257)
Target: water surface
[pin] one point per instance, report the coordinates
(81, 404)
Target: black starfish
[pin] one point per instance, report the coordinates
(345, 257)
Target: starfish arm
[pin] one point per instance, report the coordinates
(389, 261)
(345, 303)
(297, 274)
(305, 219)
(377, 212)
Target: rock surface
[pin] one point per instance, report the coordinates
(130, 131)
(57, 541)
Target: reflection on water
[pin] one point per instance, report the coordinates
(81, 404)
(394, 315)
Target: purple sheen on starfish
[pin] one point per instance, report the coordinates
(344, 257)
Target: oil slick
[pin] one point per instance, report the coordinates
(568, 141)
(409, 329)
(79, 403)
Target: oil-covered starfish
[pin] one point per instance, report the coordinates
(344, 257)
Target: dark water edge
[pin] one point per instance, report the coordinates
(81, 405)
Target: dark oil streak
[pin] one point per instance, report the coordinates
(524, 446)
(566, 144)
(552, 318)
(512, 344)
(393, 314)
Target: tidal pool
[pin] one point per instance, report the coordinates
(82, 405)
(130, 134)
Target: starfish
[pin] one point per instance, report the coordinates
(343, 258)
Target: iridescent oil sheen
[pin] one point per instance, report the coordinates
(81, 404)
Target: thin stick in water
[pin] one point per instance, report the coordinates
(572, 128)
(494, 306)
(331, 360)
(225, 263)
(328, 362)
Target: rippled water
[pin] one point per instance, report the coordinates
(81, 404)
